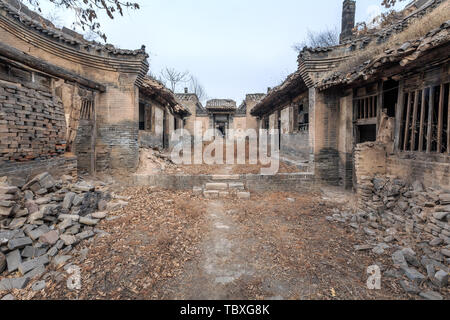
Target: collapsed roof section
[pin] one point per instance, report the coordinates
(156, 90)
(282, 94)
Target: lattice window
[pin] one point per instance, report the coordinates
(366, 107)
(87, 110)
(425, 120)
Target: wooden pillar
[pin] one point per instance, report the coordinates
(430, 119)
(440, 118)
(422, 120)
(398, 116)
(408, 117)
(379, 104)
(414, 120)
(448, 122)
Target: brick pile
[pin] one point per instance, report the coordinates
(42, 222)
(32, 123)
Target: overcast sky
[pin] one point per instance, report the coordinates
(233, 47)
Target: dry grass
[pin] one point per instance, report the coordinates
(416, 30)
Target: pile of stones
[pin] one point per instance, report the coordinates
(409, 223)
(41, 221)
(413, 208)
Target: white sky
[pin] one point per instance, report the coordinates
(233, 47)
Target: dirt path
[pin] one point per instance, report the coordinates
(174, 245)
(276, 246)
(223, 262)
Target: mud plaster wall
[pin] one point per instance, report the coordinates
(251, 121)
(240, 123)
(370, 160)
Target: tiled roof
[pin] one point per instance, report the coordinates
(402, 54)
(221, 104)
(32, 20)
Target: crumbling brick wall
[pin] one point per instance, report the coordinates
(432, 171)
(32, 122)
(394, 199)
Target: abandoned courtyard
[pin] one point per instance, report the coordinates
(277, 245)
(331, 182)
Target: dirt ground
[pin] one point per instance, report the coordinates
(174, 245)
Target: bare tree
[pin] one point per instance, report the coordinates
(174, 77)
(55, 18)
(197, 88)
(87, 11)
(326, 38)
(390, 3)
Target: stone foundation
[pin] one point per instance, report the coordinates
(254, 183)
(25, 170)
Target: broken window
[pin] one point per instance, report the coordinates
(425, 120)
(145, 117)
(141, 116)
(390, 97)
(301, 117)
(367, 133)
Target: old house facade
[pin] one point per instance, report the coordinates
(98, 87)
(160, 115)
(197, 112)
(357, 91)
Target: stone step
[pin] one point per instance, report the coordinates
(243, 195)
(236, 185)
(211, 194)
(225, 177)
(216, 186)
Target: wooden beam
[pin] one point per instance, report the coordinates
(422, 120)
(440, 118)
(408, 116)
(414, 122)
(35, 63)
(430, 119)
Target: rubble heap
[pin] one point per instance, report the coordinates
(413, 208)
(42, 220)
(410, 223)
